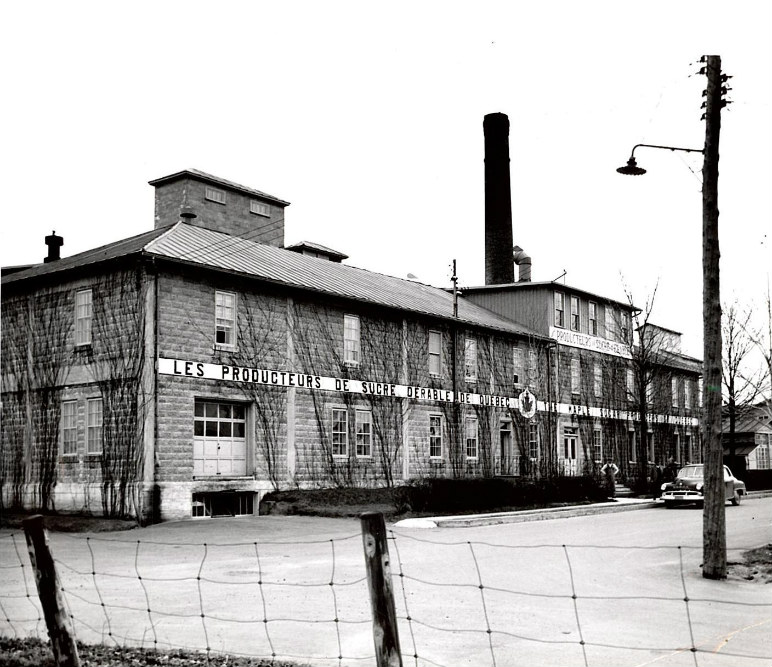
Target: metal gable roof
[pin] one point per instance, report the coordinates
(122, 248)
(195, 245)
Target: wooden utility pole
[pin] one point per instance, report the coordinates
(378, 565)
(62, 641)
(713, 519)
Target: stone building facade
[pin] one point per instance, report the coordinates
(191, 369)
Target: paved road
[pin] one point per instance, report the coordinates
(625, 570)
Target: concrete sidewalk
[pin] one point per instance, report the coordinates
(542, 514)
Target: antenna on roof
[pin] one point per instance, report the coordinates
(562, 275)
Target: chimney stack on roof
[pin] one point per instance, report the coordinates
(499, 269)
(53, 242)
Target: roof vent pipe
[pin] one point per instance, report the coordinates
(187, 214)
(523, 263)
(53, 242)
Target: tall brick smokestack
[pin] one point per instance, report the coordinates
(499, 268)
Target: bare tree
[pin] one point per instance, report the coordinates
(118, 356)
(648, 354)
(261, 342)
(16, 338)
(741, 383)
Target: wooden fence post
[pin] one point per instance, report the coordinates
(62, 642)
(378, 565)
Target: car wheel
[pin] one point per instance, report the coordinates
(669, 504)
(700, 504)
(737, 498)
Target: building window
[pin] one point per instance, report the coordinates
(470, 431)
(610, 328)
(215, 195)
(531, 370)
(597, 445)
(575, 319)
(69, 428)
(762, 451)
(597, 384)
(691, 448)
(533, 441)
(258, 208)
(83, 311)
(699, 393)
(435, 353)
(625, 328)
(351, 349)
(225, 318)
(674, 392)
(592, 318)
(339, 432)
(649, 390)
(576, 375)
(219, 439)
(688, 394)
(560, 309)
(435, 436)
(364, 426)
(518, 375)
(94, 426)
(630, 384)
(470, 359)
(651, 446)
(631, 445)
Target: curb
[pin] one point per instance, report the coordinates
(541, 514)
(526, 515)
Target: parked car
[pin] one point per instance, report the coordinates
(688, 487)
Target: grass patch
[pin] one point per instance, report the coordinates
(33, 652)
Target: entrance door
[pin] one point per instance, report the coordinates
(510, 464)
(219, 439)
(570, 442)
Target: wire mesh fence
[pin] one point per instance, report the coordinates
(457, 602)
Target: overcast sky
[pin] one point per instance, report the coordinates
(367, 117)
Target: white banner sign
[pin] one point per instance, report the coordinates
(525, 402)
(587, 342)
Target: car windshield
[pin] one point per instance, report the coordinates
(690, 471)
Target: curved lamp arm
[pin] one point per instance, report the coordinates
(632, 168)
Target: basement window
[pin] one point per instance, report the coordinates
(222, 503)
(215, 195)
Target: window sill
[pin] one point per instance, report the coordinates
(222, 347)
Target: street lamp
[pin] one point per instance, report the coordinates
(713, 519)
(632, 168)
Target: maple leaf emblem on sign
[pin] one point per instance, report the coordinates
(527, 403)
